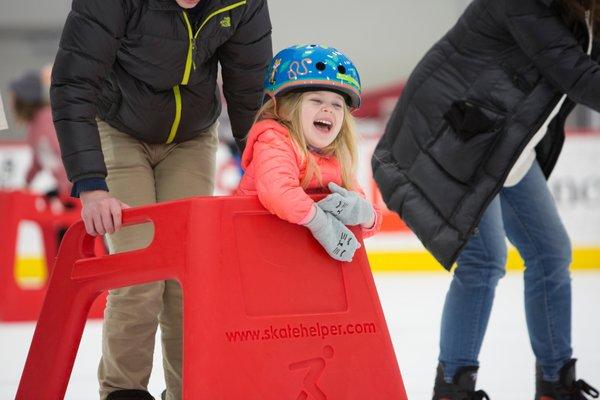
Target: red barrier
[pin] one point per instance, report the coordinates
(267, 313)
(18, 303)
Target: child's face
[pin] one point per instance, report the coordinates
(322, 114)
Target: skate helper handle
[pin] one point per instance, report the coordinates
(169, 230)
(79, 277)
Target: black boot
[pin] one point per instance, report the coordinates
(567, 388)
(461, 388)
(130, 394)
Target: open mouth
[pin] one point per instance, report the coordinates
(323, 125)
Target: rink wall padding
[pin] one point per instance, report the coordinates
(575, 185)
(421, 261)
(267, 313)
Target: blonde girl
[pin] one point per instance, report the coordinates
(304, 142)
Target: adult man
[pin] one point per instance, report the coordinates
(135, 103)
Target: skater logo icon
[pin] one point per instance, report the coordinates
(315, 367)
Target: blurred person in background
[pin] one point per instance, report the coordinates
(30, 103)
(464, 162)
(135, 104)
(3, 121)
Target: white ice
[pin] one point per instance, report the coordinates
(412, 304)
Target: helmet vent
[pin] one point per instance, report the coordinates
(320, 66)
(341, 69)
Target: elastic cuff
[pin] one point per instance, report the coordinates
(368, 232)
(374, 216)
(318, 220)
(87, 185)
(309, 216)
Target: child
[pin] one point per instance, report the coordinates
(303, 142)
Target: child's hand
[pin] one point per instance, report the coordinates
(348, 206)
(339, 242)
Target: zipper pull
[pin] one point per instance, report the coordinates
(193, 53)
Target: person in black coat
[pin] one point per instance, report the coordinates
(135, 104)
(464, 161)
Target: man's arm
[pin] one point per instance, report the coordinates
(87, 51)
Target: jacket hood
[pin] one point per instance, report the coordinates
(258, 129)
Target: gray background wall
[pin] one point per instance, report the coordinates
(385, 38)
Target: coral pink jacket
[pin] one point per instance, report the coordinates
(274, 168)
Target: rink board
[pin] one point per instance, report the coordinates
(575, 184)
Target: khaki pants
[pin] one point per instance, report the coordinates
(139, 174)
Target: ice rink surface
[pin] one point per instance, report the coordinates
(412, 304)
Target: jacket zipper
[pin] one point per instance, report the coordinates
(191, 50)
(177, 119)
(189, 63)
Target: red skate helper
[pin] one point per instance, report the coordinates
(267, 313)
(24, 304)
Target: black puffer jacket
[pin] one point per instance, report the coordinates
(140, 66)
(470, 107)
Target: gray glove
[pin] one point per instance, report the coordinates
(347, 206)
(339, 242)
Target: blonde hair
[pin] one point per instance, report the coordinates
(286, 110)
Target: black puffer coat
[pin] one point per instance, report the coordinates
(142, 67)
(470, 107)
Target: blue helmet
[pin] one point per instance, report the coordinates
(313, 67)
